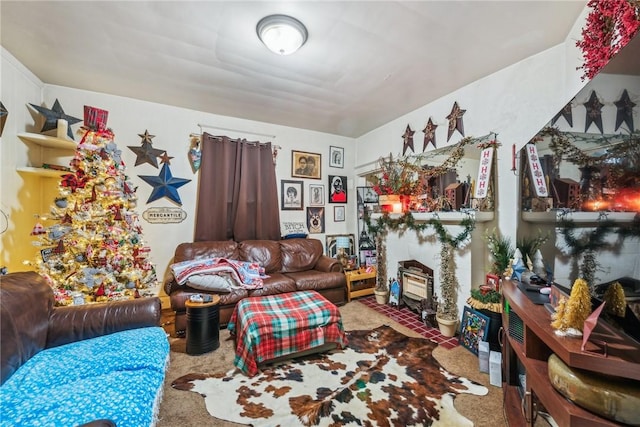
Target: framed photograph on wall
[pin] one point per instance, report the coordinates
(366, 195)
(306, 165)
(474, 328)
(332, 247)
(291, 195)
(336, 157)
(338, 213)
(337, 189)
(316, 195)
(315, 220)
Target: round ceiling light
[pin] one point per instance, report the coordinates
(281, 34)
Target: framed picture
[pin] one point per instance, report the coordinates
(474, 328)
(332, 248)
(316, 195)
(336, 157)
(315, 220)
(291, 195)
(337, 189)
(493, 281)
(338, 213)
(366, 195)
(306, 165)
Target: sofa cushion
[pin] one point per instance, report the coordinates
(277, 283)
(265, 252)
(299, 254)
(202, 250)
(24, 332)
(317, 280)
(113, 377)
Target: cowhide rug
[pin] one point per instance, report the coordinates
(382, 378)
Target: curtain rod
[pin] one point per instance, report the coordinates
(235, 130)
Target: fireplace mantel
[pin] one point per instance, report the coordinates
(444, 217)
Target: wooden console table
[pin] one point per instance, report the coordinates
(527, 348)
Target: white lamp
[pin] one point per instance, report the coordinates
(281, 34)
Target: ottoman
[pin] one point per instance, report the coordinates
(271, 328)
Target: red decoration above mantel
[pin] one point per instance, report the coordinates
(610, 25)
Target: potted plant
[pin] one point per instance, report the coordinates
(501, 251)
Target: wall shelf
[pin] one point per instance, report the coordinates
(586, 218)
(48, 141)
(445, 217)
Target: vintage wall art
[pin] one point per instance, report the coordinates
(306, 165)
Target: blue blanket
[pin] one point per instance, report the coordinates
(117, 377)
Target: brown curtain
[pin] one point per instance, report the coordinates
(237, 196)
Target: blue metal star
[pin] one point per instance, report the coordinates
(52, 115)
(518, 269)
(164, 185)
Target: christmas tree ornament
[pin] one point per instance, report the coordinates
(624, 112)
(407, 138)
(455, 120)
(429, 134)
(594, 112)
(51, 117)
(61, 202)
(38, 229)
(164, 185)
(95, 118)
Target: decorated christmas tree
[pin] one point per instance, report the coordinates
(94, 251)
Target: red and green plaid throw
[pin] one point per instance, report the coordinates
(279, 325)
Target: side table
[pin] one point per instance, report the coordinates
(203, 326)
(360, 283)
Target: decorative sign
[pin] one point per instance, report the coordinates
(484, 173)
(294, 227)
(537, 177)
(164, 215)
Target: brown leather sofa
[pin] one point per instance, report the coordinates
(30, 323)
(291, 264)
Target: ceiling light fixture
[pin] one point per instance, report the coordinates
(281, 34)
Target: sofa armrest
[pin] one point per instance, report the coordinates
(81, 322)
(170, 284)
(328, 264)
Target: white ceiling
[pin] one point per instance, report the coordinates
(365, 63)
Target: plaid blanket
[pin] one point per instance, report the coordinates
(249, 275)
(280, 325)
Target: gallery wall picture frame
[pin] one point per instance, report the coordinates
(337, 189)
(336, 157)
(291, 195)
(338, 213)
(367, 195)
(315, 220)
(332, 249)
(306, 165)
(316, 195)
(474, 328)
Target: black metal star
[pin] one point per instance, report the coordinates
(455, 120)
(407, 136)
(594, 112)
(566, 112)
(3, 117)
(146, 154)
(51, 117)
(164, 185)
(625, 111)
(429, 134)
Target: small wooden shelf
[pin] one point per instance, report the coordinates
(48, 141)
(360, 283)
(42, 172)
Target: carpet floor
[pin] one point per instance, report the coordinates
(184, 409)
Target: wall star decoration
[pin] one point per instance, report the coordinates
(429, 134)
(455, 120)
(625, 111)
(3, 117)
(164, 185)
(594, 112)
(146, 153)
(51, 117)
(566, 112)
(166, 158)
(407, 136)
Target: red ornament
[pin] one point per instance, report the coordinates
(100, 291)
